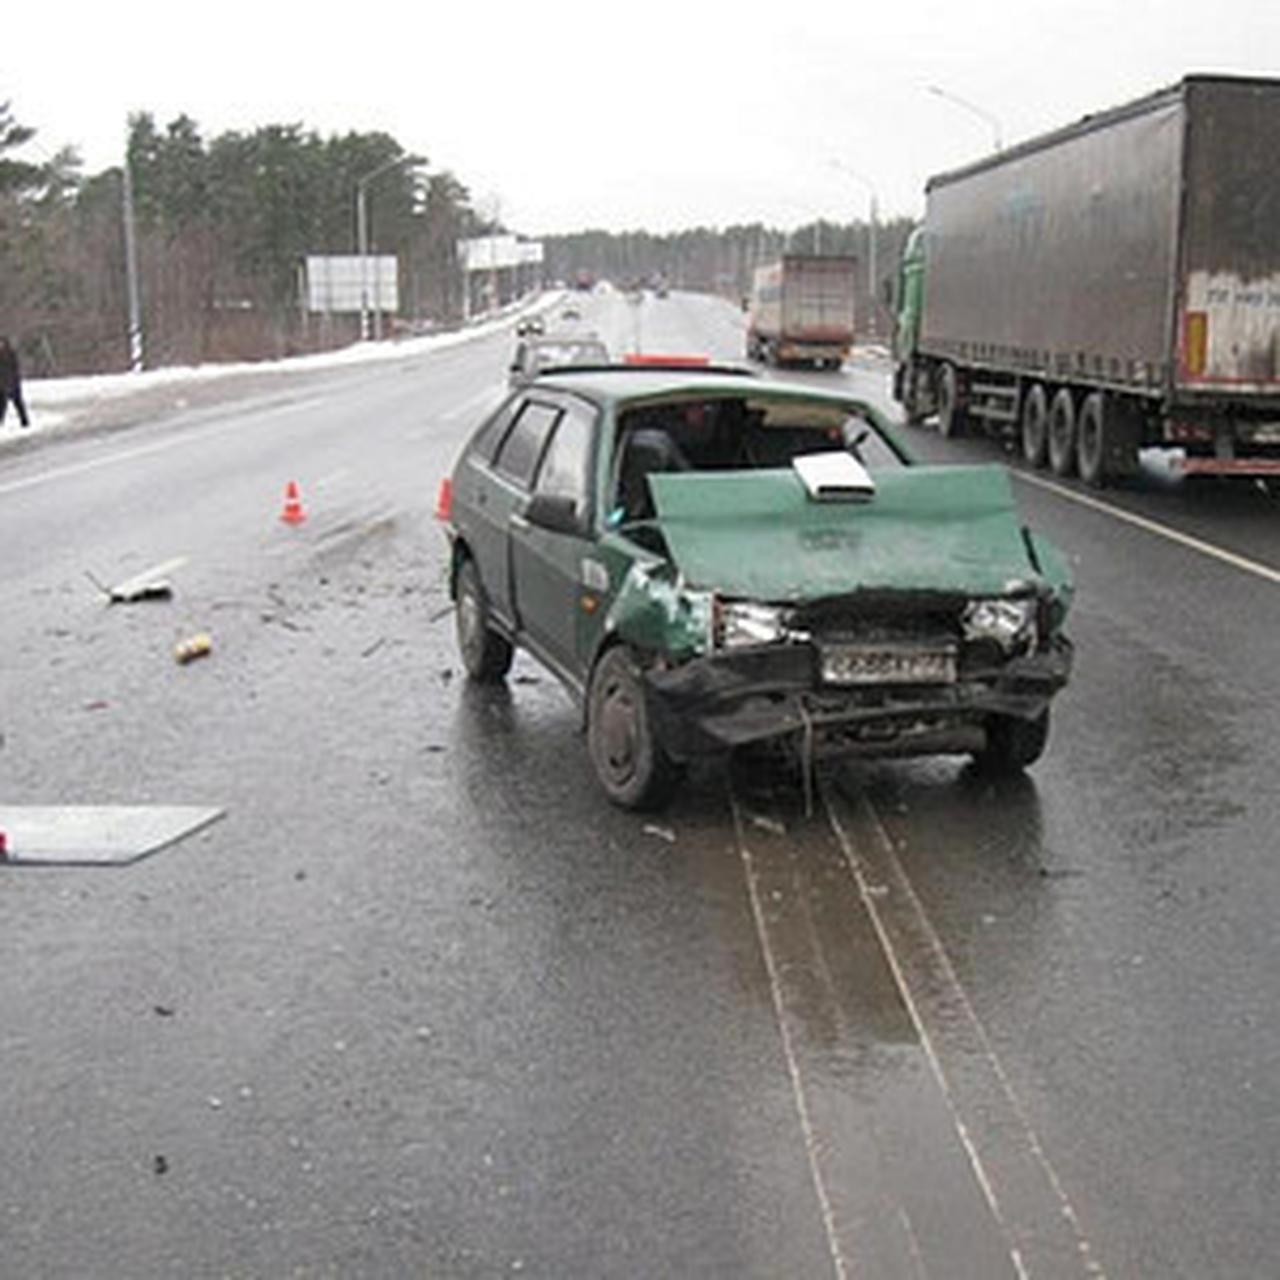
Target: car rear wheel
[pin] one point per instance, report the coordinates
(1013, 744)
(632, 767)
(485, 654)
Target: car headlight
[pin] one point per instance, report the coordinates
(743, 622)
(1009, 622)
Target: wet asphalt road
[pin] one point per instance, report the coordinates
(423, 1004)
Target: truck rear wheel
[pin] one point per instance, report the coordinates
(1091, 440)
(1062, 433)
(1035, 426)
(952, 419)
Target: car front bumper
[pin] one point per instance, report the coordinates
(713, 704)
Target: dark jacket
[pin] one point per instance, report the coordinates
(10, 375)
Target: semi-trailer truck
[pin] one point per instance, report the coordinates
(1107, 287)
(801, 310)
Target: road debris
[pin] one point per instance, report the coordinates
(199, 645)
(771, 825)
(161, 1166)
(662, 833)
(374, 647)
(151, 584)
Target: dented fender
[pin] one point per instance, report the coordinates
(655, 611)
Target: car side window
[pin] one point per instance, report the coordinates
(520, 451)
(490, 433)
(565, 469)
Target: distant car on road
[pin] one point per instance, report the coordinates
(544, 351)
(707, 558)
(530, 326)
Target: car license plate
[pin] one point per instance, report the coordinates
(871, 664)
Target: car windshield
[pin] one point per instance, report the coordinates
(734, 433)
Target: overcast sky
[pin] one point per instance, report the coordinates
(567, 114)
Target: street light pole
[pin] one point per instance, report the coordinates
(873, 236)
(362, 232)
(131, 271)
(994, 124)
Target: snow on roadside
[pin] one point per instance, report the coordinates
(57, 402)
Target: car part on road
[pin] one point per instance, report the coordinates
(193, 647)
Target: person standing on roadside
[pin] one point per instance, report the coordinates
(11, 382)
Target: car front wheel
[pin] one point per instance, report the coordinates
(1013, 744)
(633, 769)
(485, 654)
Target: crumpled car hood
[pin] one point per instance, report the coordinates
(758, 535)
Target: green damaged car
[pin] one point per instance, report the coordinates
(708, 559)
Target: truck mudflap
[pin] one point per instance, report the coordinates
(713, 704)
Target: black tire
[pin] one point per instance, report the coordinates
(1092, 444)
(952, 419)
(1013, 744)
(915, 406)
(1062, 433)
(1035, 426)
(632, 767)
(486, 655)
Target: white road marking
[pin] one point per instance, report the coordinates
(183, 440)
(324, 481)
(490, 395)
(793, 1067)
(1152, 526)
(954, 1002)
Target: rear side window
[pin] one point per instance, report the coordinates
(519, 453)
(565, 468)
(486, 439)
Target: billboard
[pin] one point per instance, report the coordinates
(348, 282)
(489, 253)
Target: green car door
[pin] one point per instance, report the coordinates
(553, 545)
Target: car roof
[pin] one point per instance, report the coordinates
(560, 339)
(617, 384)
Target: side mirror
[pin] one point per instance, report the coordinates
(553, 512)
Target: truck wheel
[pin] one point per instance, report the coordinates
(1013, 743)
(1092, 440)
(1062, 433)
(485, 654)
(632, 767)
(1035, 426)
(952, 419)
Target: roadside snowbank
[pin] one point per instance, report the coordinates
(56, 403)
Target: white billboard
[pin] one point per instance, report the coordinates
(489, 253)
(348, 282)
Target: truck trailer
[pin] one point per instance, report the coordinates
(1111, 286)
(801, 310)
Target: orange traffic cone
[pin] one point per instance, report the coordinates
(293, 512)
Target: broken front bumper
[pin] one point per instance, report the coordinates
(729, 699)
